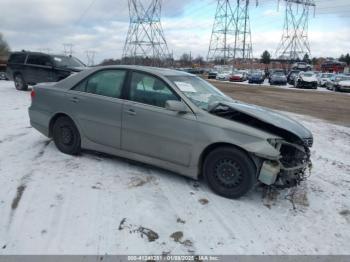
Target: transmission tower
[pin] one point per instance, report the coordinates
(231, 35)
(68, 49)
(90, 55)
(145, 40)
(295, 43)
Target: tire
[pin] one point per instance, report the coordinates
(229, 172)
(66, 136)
(20, 83)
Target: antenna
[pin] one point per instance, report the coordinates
(295, 43)
(145, 42)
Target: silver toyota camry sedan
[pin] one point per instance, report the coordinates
(173, 120)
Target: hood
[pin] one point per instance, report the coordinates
(344, 83)
(309, 78)
(265, 119)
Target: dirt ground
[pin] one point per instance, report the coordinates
(333, 107)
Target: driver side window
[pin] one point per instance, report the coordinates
(150, 90)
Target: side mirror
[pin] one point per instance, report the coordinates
(176, 106)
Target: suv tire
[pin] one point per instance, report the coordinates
(229, 172)
(20, 84)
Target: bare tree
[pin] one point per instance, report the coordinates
(4, 47)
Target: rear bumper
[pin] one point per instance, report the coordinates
(40, 121)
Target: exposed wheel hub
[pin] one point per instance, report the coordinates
(228, 173)
(66, 135)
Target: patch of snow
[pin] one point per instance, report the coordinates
(51, 203)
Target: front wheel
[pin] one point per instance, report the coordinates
(229, 172)
(66, 136)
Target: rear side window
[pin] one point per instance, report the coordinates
(105, 83)
(41, 60)
(17, 58)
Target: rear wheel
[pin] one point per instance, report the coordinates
(66, 136)
(20, 84)
(229, 172)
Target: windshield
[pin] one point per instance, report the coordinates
(200, 92)
(66, 61)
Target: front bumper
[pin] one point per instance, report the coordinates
(308, 84)
(290, 169)
(344, 88)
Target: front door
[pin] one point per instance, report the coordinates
(95, 103)
(150, 129)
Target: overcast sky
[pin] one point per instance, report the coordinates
(101, 25)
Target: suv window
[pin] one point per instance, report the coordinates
(150, 90)
(17, 58)
(41, 60)
(105, 83)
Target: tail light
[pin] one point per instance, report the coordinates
(32, 94)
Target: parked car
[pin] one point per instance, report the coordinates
(278, 78)
(291, 76)
(212, 74)
(302, 66)
(173, 120)
(238, 76)
(306, 80)
(30, 68)
(223, 76)
(339, 83)
(256, 77)
(323, 78)
(2, 75)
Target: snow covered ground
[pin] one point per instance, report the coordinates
(52, 203)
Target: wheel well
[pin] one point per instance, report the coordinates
(53, 120)
(214, 146)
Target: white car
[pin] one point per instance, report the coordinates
(323, 78)
(223, 76)
(306, 80)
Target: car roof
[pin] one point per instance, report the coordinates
(148, 69)
(36, 53)
(68, 82)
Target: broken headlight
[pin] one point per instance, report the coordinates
(275, 142)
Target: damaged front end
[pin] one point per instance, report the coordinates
(294, 146)
(290, 169)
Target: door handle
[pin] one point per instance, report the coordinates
(74, 99)
(130, 112)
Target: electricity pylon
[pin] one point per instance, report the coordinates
(295, 43)
(231, 35)
(90, 55)
(145, 40)
(68, 49)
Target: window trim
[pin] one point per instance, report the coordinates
(128, 89)
(42, 55)
(100, 71)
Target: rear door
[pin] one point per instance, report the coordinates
(152, 130)
(97, 106)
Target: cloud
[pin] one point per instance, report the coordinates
(187, 25)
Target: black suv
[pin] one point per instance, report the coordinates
(30, 68)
